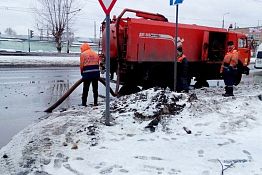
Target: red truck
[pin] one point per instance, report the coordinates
(142, 50)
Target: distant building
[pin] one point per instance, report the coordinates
(254, 35)
(40, 44)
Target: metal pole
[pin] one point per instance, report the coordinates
(223, 22)
(175, 60)
(67, 30)
(107, 70)
(29, 40)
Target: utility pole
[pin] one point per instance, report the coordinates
(223, 22)
(30, 35)
(41, 34)
(67, 29)
(29, 40)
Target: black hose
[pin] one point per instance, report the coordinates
(69, 91)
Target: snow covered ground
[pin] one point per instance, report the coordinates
(38, 61)
(148, 136)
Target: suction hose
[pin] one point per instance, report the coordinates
(69, 91)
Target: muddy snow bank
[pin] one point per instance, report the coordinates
(224, 131)
(55, 137)
(150, 103)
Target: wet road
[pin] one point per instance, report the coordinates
(26, 92)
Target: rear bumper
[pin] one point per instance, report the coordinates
(257, 67)
(258, 64)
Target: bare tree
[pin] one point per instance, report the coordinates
(56, 14)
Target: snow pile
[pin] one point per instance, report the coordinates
(224, 137)
(150, 103)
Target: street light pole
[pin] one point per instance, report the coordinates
(223, 22)
(67, 30)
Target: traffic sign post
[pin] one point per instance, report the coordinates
(107, 6)
(176, 2)
(30, 35)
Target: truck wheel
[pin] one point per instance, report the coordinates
(200, 84)
(127, 90)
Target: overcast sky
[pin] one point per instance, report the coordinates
(18, 14)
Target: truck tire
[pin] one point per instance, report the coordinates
(201, 83)
(127, 90)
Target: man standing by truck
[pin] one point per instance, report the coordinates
(89, 67)
(229, 68)
(182, 70)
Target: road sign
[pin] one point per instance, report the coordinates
(107, 5)
(174, 2)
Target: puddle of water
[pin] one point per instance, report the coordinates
(24, 99)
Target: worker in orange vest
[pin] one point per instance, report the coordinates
(229, 68)
(89, 67)
(182, 71)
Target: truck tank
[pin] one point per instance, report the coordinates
(142, 50)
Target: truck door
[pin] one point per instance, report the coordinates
(205, 46)
(244, 51)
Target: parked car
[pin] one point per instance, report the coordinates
(258, 62)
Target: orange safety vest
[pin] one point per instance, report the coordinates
(180, 59)
(88, 57)
(230, 59)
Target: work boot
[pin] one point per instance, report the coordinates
(84, 103)
(84, 99)
(229, 92)
(95, 102)
(230, 89)
(227, 95)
